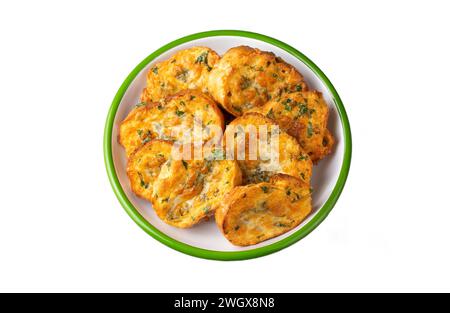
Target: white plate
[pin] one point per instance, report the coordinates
(206, 235)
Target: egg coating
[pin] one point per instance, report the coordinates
(172, 119)
(303, 115)
(189, 191)
(255, 213)
(246, 78)
(186, 69)
(287, 157)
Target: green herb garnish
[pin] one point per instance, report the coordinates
(143, 183)
(303, 157)
(237, 109)
(183, 75)
(179, 113)
(270, 114)
(203, 58)
(309, 130)
(246, 83)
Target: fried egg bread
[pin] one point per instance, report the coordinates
(303, 115)
(246, 78)
(286, 157)
(172, 119)
(187, 192)
(255, 213)
(186, 69)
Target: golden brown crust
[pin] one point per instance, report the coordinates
(292, 160)
(255, 213)
(187, 192)
(186, 69)
(171, 119)
(303, 115)
(246, 78)
(145, 164)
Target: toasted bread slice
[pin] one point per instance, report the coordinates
(186, 69)
(246, 78)
(255, 213)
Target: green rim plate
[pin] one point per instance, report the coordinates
(227, 255)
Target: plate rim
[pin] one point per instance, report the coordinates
(213, 254)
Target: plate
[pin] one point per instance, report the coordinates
(205, 240)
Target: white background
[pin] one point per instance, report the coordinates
(61, 227)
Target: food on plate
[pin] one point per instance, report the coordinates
(303, 115)
(172, 119)
(145, 164)
(257, 212)
(189, 191)
(281, 154)
(186, 69)
(246, 78)
(254, 175)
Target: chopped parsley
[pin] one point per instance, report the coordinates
(140, 104)
(298, 88)
(303, 109)
(237, 109)
(309, 130)
(155, 70)
(143, 183)
(270, 114)
(265, 189)
(203, 58)
(303, 157)
(185, 164)
(246, 83)
(179, 113)
(217, 154)
(287, 106)
(183, 75)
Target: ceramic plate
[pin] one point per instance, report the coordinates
(205, 240)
